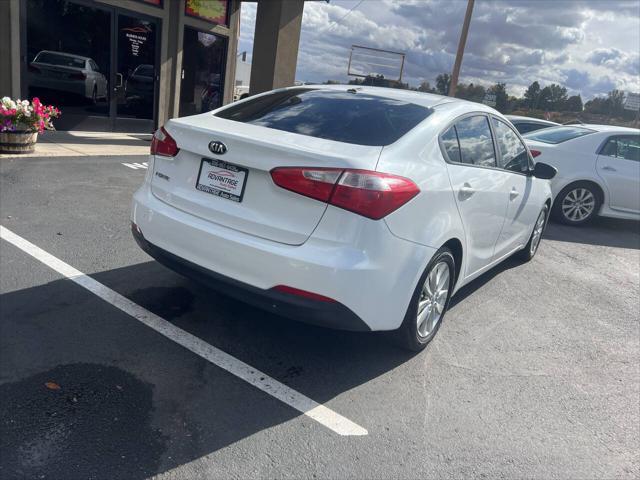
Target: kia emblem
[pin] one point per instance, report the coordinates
(217, 147)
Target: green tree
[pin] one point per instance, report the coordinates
(558, 97)
(426, 87)
(502, 99)
(544, 99)
(615, 100)
(573, 104)
(443, 82)
(532, 95)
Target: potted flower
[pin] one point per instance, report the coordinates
(20, 123)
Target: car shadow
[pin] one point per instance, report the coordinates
(92, 393)
(608, 232)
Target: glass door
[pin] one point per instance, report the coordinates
(203, 66)
(68, 61)
(136, 74)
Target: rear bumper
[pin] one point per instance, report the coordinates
(326, 314)
(358, 262)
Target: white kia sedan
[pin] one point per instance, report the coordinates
(355, 208)
(598, 170)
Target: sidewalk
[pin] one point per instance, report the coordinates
(80, 144)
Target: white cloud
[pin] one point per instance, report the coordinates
(587, 45)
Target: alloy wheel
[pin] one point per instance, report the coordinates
(578, 204)
(537, 232)
(433, 298)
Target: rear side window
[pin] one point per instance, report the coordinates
(450, 143)
(476, 145)
(356, 118)
(513, 153)
(627, 147)
(559, 134)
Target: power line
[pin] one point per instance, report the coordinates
(345, 15)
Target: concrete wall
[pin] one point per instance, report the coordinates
(10, 48)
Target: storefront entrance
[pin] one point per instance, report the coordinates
(98, 64)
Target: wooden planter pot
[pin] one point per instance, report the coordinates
(18, 142)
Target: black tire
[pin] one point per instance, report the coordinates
(562, 215)
(527, 253)
(94, 95)
(407, 336)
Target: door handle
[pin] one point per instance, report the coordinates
(466, 191)
(513, 194)
(609, 168)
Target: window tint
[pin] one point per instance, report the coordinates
(334, 115)
(627, 147)
(476, 146)
(559, 134)
(513, 153)
(451, 145)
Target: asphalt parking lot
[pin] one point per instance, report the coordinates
(535, 372)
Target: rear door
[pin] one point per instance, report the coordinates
(480, 189)
(618, 164)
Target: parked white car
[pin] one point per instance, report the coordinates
(529, 124)
(67, 73)
(356, 208)
(598, 170)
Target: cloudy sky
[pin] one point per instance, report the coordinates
(589, 46)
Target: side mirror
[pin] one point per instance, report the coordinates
(544, 171)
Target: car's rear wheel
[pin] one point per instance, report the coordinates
(577, 204)
(429, 302)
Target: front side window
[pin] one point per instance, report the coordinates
(513, 153)
(556, 135)
(627, 147)
(357, 118)
(476, 145)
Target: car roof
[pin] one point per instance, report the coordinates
(410, 96)
(63, 54)
(522, 118)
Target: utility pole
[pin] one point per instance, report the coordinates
(461, 44)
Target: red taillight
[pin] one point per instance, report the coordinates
(535, 153)
(78, 76)
(370, 194)
(163, 144)
(302, 293)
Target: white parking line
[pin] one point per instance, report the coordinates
(262, 381)
(136, 165)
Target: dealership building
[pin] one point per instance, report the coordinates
(129, 65)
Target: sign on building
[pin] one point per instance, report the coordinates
(489, 99)
(373, 62)
(632, 101)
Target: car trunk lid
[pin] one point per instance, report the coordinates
(264, 210)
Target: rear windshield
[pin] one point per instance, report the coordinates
(558, 134)
(346, 117)
(61, 60)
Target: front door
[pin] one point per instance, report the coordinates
(480, 189)
(522, 208)
(618, 165)
(96, 63)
